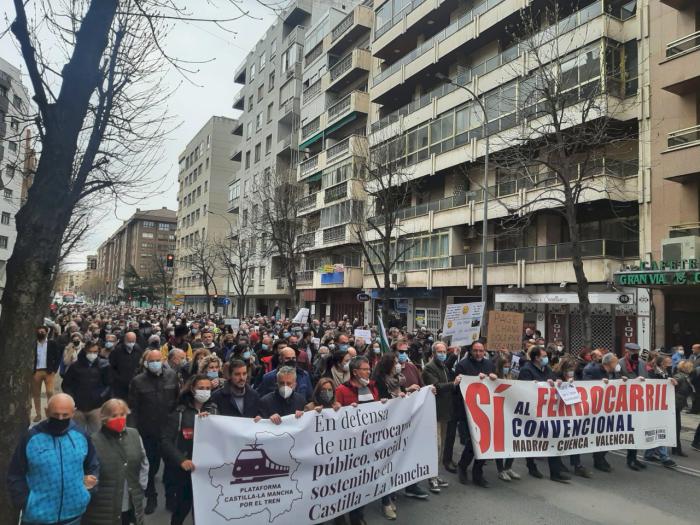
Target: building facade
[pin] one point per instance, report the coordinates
(140, 244)
(270, 101)
(202, 223)
(17, 160)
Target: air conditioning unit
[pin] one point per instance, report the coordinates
(680, 248)
(398, 279)
(470, 233)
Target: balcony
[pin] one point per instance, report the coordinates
(335, 235)
(238, 129)
(239, 101)
(289, 111)
(295, 36)
(307, 241)
(335, 193)
(678, 4)
(309, 204)
(288, 142)
(233, 205)
(239, 75)
(681, 160)
(305, 277)
(358, 22)
(680, 71)
(355, 102)
(236, 153)
(311, 166)
(348, 69)
(353, 145)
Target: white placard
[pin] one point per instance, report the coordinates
(364, 334)
(311, 469)
(235, 324)
(463, 322)
(568, 393)
(302, 316)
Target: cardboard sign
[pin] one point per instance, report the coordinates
(505, 330)
(463, 322)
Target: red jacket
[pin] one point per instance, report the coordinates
(346, 394)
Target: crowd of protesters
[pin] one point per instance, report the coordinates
(132, 382)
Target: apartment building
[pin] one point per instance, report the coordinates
(423, 52)
(16, 157)
(333, 139)
(673, 238)
(91, 267)
(140, 243)
(202, 222)
(269, 99)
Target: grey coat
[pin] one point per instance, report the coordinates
(122, 458)
(436, 373)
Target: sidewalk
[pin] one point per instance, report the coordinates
(689, 422)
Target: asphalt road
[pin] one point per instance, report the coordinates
(622, 497)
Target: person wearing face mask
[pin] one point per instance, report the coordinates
(237, 398)
(210, 366)
(374, 354)
(54, 468)
(227, 348)
(110, 341)
(284, 400)
(661, 370)
(87, 381)
(70, 352)
(177, 361)
(437, 374)
(125, 360)
(177, 340)
(287, 358)
(323, 396)
(338, 367)
(320, 361)
(178, 439)
(123, 470)
(47, 359)
(208, 342)
(153, 395)
(408, 369)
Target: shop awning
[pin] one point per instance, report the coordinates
(311, 140)
(341, 123)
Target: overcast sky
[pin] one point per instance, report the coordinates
(192, 105)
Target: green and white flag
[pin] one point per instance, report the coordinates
(383, 339)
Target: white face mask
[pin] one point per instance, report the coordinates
(618, 367)
(285, 391)
(397, 368)
(202, 396)
(363, 381)
(91, 357)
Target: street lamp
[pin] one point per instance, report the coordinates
(485, 227)
(230, 249)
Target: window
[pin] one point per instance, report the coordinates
(252, 71)
(234, 191)
(258, 121)
(204, 209)
(206, 186)
(149, 224)
(16, 101)
(163, 226)
(207, 163)
(244, 218)
(262, 61)
(250, 103)
(340, 213)
(289, 58)
(5, 218)
(258, 148)
(196, 214)
(271, 81)
(249, 130)
(7, 193)
(273, 48)
(14, 124)
(251, 271)
(261, 278)
(268, 144)
(199, 191)
(12, 145)
(261, 92)
(147, 235)
(247, 159)
(270, 107)
(3, 242)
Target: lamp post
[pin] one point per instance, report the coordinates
(230, 249)
(485, 227)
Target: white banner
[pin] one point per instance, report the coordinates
(512, 419)
(310, 469)
(302, 316)
(463, 322)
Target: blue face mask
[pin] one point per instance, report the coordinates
(343, 347)
(441, 357)
(403, 357)
(286, 334)
(264, 347)
(154, 366)
(212, 374)
(246, 355)
(544, 361)
(109, 344)
(506, 370)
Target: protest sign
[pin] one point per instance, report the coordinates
(302, 316)
(568, 393)
(233, 323)
(364, 334)
(311, 469)
(463, 322)
(505, 330)
(512, 419)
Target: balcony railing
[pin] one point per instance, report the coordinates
(306, 240)
(339, 107)
(335, 193)
(308, 165)
(343, 26)
(551, 252)
(308, 202)
(335, 234)
(683, 45)
(306, 276)
(397, 18)
(289, 106)
(684, 137)
(295, 35)
(338, 149)
(311, 91)
(342, 67)
(311, 128)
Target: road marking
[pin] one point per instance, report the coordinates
(690, 471)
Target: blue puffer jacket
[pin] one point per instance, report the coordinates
(45, 478)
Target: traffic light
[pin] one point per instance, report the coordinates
(169, 260)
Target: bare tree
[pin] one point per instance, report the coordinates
(566, 130)
(95, 68)
(388, 185)
(275, 215)
(161, 277)
(203, 260)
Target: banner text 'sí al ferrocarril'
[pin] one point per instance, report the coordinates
(511, 419)
(311, 469)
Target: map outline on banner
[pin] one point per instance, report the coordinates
(513, 419)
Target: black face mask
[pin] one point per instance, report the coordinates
(57, 427)
(291, 362)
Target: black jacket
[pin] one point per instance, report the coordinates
(594, 371)
(273, 403)
(124, 367)
(529, 372)
(177, 438)
(469, 367)
(227, 406)
(88, 383)
(151, 398)
(53, 355)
